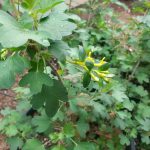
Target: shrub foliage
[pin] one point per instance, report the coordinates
(84, 84)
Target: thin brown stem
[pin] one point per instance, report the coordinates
(18, 7)
(16, 13)
(70, 2)
(55, 72)
(134, 70)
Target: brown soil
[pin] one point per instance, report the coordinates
(74, 3)
(3, 145)
(6, 100)
(124, 15)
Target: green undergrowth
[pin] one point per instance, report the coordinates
(84, 84)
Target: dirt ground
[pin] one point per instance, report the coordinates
(75, 3)
(6, 100)
(7, 97)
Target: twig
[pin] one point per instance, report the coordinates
(73, 142)
(55, 72)
(18, 6)
(15, 10)
(134, 70)
(70, 3)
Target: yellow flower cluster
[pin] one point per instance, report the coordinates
(94, 70)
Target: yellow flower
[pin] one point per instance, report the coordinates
(89, 58)
(102, 62)
(102, 74)
(95, 78)
(95, 74)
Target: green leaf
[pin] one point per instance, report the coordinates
(104, 67)
(118, 92)
(141, 91)
(26, 21)
(133, 133)
(11, 130)
(82, 53)
(59, 147)
(120, 96)
(36, 66)
(142, 77)
(128, 104)
(3, 124)
(146, 139)
(41, 122)
(119, 123)
(82, 128)
(46, 5)
(86, 79)
(57, 25)
(99, 109)
(40, 6)
(144, 19)
(50, 96)
(11, 27)
(69, 130)
(15, 143)
(124, 140)
(30, 4)
(122, 114)
(145, 124)
(59, 50)
(7, 6)
(6, 111)
(25, 127)
(15, 65)
(143, 110)
(36, 80)
(32, 144)
(85, 146)
(1, 48)
(73, 105)
(55, 137)
(59, 116)
(61, 8)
